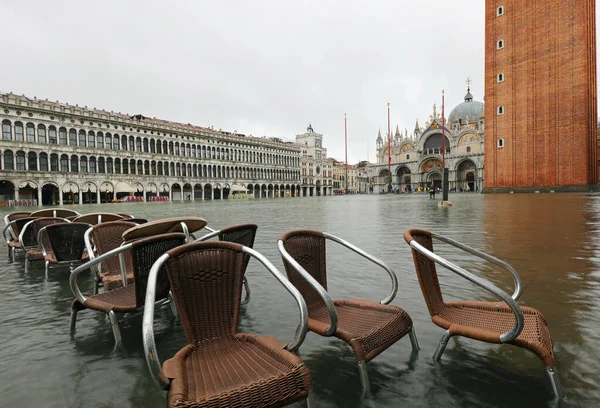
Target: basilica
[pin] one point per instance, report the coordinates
(416, 159)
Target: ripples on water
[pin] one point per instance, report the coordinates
(550, 239)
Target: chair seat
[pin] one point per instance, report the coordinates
(368, 327)
(14, 244)
(243, 371)
(485, 321)
(34, 255)
(121, 300)
(111, 282)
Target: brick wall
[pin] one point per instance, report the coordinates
(549, 125)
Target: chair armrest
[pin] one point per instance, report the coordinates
(22, 234)
(212, 233)
(41, 235)
(92, 262)
(316, 286)
(516, 278)
(373, 259)
(303, 327)
(150, 351)
(8, 228)
(483, 283)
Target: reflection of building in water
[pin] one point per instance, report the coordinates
(59, 153)
(316, 168)
(416, 159)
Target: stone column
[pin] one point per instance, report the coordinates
(212, 194)
(98, 196)
(39, 196)
(171, 194)
(80, 197)
(16, 192)
(182, 193)
(60, 197)
(202, 193)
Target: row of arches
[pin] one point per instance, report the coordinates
(53, 162)
(77, 192)
(105, 140)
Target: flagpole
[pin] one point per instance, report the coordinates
(346, 144)
(389, 142)
(445, 171)
(443, 135)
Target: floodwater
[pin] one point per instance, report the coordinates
(550, 239)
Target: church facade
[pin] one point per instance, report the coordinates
(416, 159)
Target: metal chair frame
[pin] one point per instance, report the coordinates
(154, 364)
(99, 217)
(42, 213)
(362, 365)
(26, 248)
(511, 300)
(47, 265)
(10, 236)
(114, 320)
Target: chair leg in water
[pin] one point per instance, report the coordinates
(441, 346)
(413, 339)
(554, 382)
(364, 377)
(114, 322)
(73, 320)
(26, 264)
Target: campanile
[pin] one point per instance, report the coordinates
(540, 95)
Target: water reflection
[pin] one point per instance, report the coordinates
(550, 239)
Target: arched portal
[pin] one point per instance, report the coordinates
(50, 193)
(28, 190)
(208, 192)
(187, 192)
(198, 191)
(176, 192)
(404, 178)
(89, 193)
(466, 173)
(7, 191)
(435, 179)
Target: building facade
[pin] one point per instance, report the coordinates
(339, 178)
(540, 89)
(416, 158)
(54, 153)
(316, 168)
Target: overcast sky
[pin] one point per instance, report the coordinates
(261, 67)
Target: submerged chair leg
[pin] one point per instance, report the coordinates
(309, 401)
(364, 377)
(73, 319)
(554, 382)
(46, 268)
(413, 339)
(247, 289)
(441, 346)
(26, 264)
(114, 322)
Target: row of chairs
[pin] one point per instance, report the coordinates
(205, 279)
(158, 264)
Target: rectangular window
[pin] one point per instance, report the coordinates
(101, 166)
(93, 166)
(138, 144)
(109, 167)
(100, 141)
(43, 163)
(6, 131)
(83, 165)
(131, 144)
(32, 165)
(91, 140)
(116, 143)
(64, 164)
(72, 138)
(30, 134)
(8, 161)
(54, 163)
(501, 110)
(81, 138)
(62, 134)
(42, 135)
(52, 135)
(20, 162)
(19, 132)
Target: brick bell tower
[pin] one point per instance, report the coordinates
(540, 95)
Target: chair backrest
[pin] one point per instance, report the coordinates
(144, 253)
(16, 226)
(97, 218)
(426, 271)
(54, 212)
(136, 220)
(66, 241)
(243, 234)
(29, 235)
(108, 236)
(206, 282)
(15, 216)
(307, 247)
(125, 215)
(164, 226)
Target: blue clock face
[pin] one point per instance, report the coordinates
(318, 169)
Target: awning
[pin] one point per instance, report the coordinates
(151, 188)
(91, 187)
(235, 188)
(122, 187)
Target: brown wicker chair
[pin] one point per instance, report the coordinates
(97, 218)
(368, 327)
(28, 238)
(63, 244)
(187, 225)
(11, 233)
(54, 212)
(99, 240)
(220, 367)
(491, 322)
(130, 298)
(243, 234)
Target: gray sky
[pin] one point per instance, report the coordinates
(261, 67)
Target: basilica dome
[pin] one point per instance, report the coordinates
(469, 108)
